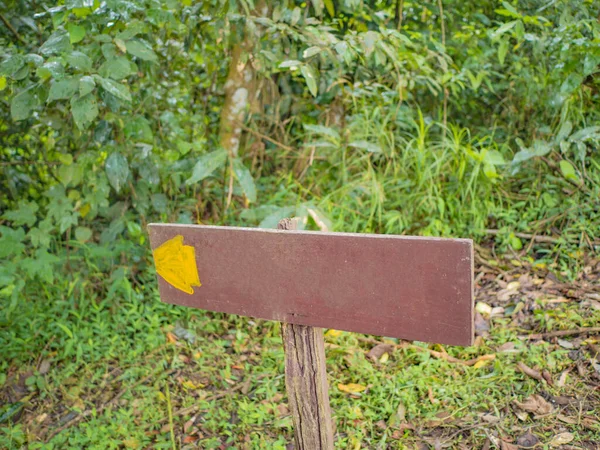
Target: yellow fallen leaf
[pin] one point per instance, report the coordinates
(481, 363)
(513, 286)
(131, 442)
(351, 388)
(384, 358)
(333, 333)
(171, 338)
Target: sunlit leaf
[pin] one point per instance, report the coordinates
(206, 165)
(117, 170)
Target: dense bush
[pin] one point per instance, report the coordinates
(390, 118)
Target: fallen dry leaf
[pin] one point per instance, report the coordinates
(482, 326)
(171, 338)
(529, 371)
(561, 439)
(535, 404)
(508, 446)
(566, 419)
(527, 440)
(351, 388)
(379, 350)
(190, 439)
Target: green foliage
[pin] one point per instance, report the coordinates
(111, 119)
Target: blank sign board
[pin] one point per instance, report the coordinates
(412, 288)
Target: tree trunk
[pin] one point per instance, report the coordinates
(241, 86)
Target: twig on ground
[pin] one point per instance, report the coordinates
(533, 237)
(560, 333)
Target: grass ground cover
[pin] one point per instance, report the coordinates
(122, 370)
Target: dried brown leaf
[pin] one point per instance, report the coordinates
(508, 446)
(529, 371)
(535, 404)
(376, 352)
(561, 439)
(527, 440)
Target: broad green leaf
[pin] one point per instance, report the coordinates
(117, 170)
(84, 110)
(52, 69)
(134, 28)
(318, 5)
(296, 15)
(109, 50)
(63, 89)
(2, 83)
(12, 65)
(320, 129)
(115, 88)
(273, 219)
(159, 202)
(568, 170)
(141, 50)
(76, 33)
(502, 50)
(40, 236)
(329, 6)
(365, 145)
(33, 59)
(515, 242)
(310, 77)
(83, 234)
(503, 29)
(493, 157)
(23, 104)
(11, 241)
(70, 175)
(86, 85)
(292, 64)
(206, 165)
(116, 68)
(23, 215)
(138, 129)
(571, 83)
(245, 179)
(586, 133)
(490, 171)
(564, 132)
(58, 42)
(79, 61)
(311, 51)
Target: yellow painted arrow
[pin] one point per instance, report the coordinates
(176, 263)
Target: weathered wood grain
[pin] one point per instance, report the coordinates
(408, 287)
(306, 381)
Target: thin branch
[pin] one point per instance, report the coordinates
(266, 138)
(12, 29)
(443, 22)
(399, 13)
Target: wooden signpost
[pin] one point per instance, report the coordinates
(407, 287)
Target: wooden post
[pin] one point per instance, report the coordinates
(306, 381)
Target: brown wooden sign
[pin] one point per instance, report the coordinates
(413, 288)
